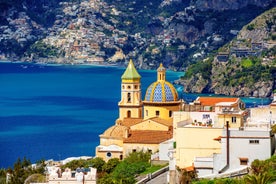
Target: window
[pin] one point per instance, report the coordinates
(134, 150)
(128, 114)
(121, 157)
(108, 154)
(234, 119)
(243, 161)
(147, 113)
(128, 97)
(157, 113)
(254, 142)
(170, 113)
(128, 87)
(135, 87)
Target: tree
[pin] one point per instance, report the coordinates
(97, 163)
(259, 166)
(138, 157)
(74, 164)
(110, 165)
(260, 178)
(186, 177)
(273, 128)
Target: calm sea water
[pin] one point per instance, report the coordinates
(55, 112)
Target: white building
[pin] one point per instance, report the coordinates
(205, 144)
(239, 148)
(81, 176)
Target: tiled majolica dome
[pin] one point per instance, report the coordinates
(161, 90)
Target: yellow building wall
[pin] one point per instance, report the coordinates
(195, 141)
(135, 94)
(129, 147)
(180, 116)
(130, 100)
(164, 111)
(223, 118)
(149, 125)
(135, 112)
(111, 141)
(102, 154)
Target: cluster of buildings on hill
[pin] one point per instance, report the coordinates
(240, 51)
(205, 136)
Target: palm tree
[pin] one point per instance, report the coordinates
(260, 178)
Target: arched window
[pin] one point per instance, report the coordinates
(128, 97)
(128, 114)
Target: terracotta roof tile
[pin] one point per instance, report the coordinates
(162, 121)
(148, 136)
(211, 101)
(116, 131)
(128, 122)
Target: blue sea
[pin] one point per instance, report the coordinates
(59, 111)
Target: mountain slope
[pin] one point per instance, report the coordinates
(251, 67)
(176, 33)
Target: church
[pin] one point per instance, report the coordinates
(142, 124)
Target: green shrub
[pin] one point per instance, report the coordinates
(250, 27)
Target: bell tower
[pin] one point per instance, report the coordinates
(130, 105)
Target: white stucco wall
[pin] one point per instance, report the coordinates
(240, 146)
(265, 114)
(164, 148)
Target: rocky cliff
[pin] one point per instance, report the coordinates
(176, 33)
(250, 68)
(222, 5)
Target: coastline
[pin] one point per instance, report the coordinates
(120, 65)
(102, 64)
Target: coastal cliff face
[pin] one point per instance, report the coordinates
(221, 5)
(250, 67)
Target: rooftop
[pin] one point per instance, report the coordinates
(212, 101)
(148, 137)
(131, 72)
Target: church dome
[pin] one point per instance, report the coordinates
(116, 131)
(161, 90)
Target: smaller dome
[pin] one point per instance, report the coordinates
(116, 131)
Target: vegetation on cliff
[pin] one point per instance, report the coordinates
(247, 67)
